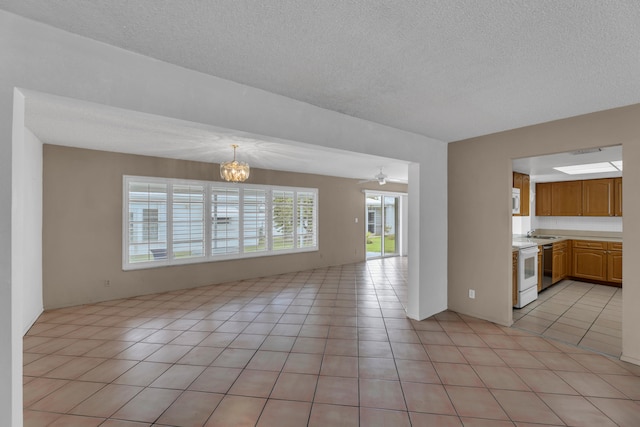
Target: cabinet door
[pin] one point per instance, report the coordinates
(566, 198)
(617, 189)
(590, 263)
(524, 196)
(614, 263)
(598, 197)
(514, 279)
(517, 180)
(517, 183)
(543, 199)
(540, 268)
(559, 262)
(614, 267)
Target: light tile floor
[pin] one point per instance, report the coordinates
(328, 347)
(579, 313)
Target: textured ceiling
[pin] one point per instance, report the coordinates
(445, 69)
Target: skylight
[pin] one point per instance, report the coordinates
(591, 168)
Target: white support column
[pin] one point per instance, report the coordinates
(12, 267)
(427, 288)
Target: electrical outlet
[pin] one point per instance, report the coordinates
(472, 293)
(107, 283)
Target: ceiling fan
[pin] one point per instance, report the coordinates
(380, 177)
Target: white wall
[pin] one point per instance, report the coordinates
(28, 192)
(521, 224)
(588, 223)
(41, 58)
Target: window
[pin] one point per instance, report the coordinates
(171, 221)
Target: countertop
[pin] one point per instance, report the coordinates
(521, 241)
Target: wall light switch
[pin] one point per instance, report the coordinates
(472, 293)
(356, 220)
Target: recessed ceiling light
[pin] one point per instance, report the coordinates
(588, 168)
(618, 164)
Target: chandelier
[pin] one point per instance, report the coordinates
(234, 171)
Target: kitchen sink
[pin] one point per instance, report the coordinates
(545, 237)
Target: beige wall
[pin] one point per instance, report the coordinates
(480, 218)
(82, 232)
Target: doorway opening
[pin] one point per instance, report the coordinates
(585, 313)
(383, 225)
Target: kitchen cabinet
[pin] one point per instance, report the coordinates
(522, 182)
(598, 261)
(540, 272)
(617, 196)
(514, 278)
(566, 198)
(614, 263)
(590, 197)
(517, 180)
(525, 196)
(598, 197)
(560, 257)
(590, 260)
(543, 199)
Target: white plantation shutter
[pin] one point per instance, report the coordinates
(306, 219)
(225, 220)
(147, 222)
(171, 222)
(188, 221)
(254, 212)
(282, 219)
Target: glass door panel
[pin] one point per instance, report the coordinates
(374, 226)
(390, 234)
(382, 226)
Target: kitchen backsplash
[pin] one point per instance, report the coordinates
(593, 223)
(521, 224)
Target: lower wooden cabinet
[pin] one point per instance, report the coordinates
(514, 280)
(540, 272)
(597, 261)
(560, 257)
(614, 263)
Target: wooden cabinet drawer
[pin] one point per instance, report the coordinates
(559, 246)
(615, 246)
(589, 244)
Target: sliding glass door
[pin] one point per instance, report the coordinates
(382, 224)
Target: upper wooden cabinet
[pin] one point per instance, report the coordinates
(525, 196)
(592, 197)
(566, 198)
(522, 182)
(597, 197)
(543, 199)
(517, 180)
(617, 196)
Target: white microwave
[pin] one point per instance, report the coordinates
(515, 201)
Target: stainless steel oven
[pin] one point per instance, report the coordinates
(547, 265)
